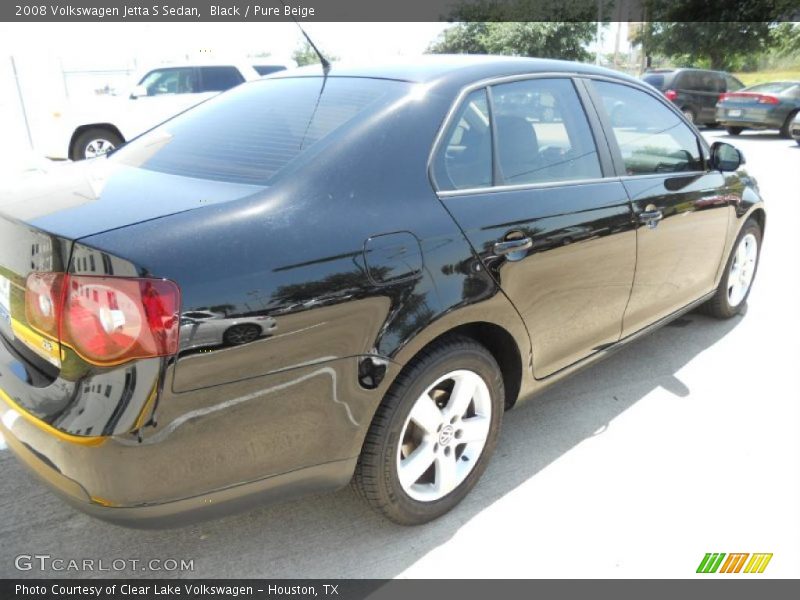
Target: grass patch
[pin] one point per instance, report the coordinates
(792, 74)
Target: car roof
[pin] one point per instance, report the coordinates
(454, 69)
(678, 69)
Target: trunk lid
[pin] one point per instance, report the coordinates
(76, 200)
(42, 213)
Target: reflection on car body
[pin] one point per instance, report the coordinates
(205, 328)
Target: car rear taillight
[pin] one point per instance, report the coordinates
(671, 95)
(752, 97)
(723, 96)
(106, 320)
(43, 301)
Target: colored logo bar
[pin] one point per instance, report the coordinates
(714, 562)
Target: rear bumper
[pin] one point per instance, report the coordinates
(212, 451)
(750, 119)
(176, 513)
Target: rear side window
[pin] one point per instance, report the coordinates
(267, 69)
(732, 83)
(713, 82)
(181, 80)
(650, 136)
(688, 80)
(780, 87)
(465, 160)
(219, 79)
(542, 133)
(252, 132)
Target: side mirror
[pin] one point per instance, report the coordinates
(725, 157)
(138, 92)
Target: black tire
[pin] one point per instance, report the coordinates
(241, 334)
(786, 128)
(78, 150)
(376, 476)
(719, 306)
(734, 130)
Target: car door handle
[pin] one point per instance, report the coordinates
(650, 216)
(510, 246)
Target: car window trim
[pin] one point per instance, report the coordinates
(486, 83)
(608, 130)
(495, 189)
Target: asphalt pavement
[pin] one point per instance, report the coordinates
(683, 443)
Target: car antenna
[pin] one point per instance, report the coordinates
(326, 65)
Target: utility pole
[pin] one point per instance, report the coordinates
(599, 33)
(22, 102)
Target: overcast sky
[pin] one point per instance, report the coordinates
(84, 45)
(94, 45)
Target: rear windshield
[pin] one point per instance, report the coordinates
(777, 87)
(655, 79)
(249, 134)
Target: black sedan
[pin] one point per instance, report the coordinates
(762, 106)
(431, 247)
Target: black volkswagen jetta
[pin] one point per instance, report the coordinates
(413, 248)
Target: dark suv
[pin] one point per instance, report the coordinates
(695, 91)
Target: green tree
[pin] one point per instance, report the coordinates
(305, 55)
(564, 40)
(786, 37)
(718, 34)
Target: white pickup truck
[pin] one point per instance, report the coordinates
(94, 127)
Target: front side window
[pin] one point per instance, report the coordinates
(543, 134)
(219, 79)
(170, 81)
(650, 136)
(465, 159)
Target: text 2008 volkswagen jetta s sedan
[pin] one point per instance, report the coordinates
(427, 244)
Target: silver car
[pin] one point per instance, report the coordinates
(205, 328)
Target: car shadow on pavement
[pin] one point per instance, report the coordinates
(336, 535)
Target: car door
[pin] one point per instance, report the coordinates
(680, 205)
(521, 172)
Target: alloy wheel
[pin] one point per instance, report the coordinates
(743, 267)
(97, 147)
(444, 435)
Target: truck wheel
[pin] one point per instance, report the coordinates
(94, 142)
